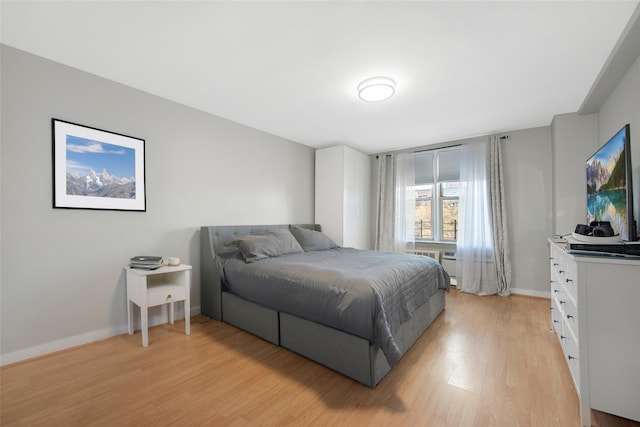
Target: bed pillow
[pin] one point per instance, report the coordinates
(268, 244)
(312, 240)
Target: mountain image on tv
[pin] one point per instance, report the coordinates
(607, 185)
(609, 176)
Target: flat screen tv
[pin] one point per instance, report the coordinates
(609, 185)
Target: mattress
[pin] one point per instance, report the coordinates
(365, 293)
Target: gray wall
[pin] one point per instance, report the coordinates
(623, 106)
(576, 137)
(574, 141)
(62, 279)
(527, 181)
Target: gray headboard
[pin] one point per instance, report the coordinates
(212, 240)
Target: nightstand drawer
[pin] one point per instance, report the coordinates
(163, 294)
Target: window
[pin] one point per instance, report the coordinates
(437, 194)
(449, 201)
(424, 209)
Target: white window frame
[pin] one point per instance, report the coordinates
(437, 200)
(442, 200)
(433, 205)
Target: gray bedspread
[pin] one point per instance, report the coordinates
(365, 293)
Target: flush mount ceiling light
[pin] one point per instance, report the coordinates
(376, 89)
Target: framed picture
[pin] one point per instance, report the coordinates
(97, 169)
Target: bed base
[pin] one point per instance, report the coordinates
(348, 354)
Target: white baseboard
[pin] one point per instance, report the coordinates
(89, 337)
(63, 344)
(528, 292)
(516, 291)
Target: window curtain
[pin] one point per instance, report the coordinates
(501, 250)
(482, 249)
(385, 201)
(405, 220)
(395, 212)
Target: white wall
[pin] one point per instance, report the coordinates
(62, 281)
(622, 107)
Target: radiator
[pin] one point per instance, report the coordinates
(431, 254)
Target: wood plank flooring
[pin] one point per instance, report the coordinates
(485, 361)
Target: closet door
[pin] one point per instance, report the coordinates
(342, 196)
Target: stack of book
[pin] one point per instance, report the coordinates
(146, 262)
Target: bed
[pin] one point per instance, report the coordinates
(356, 312)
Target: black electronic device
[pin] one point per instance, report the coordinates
(602, 246)
(595, 229)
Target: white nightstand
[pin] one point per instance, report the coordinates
(148, 288)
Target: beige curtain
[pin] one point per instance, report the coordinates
(501, 248)
(395, 213)
(385, 201)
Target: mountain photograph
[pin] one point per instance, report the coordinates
(116, 163)
(100, 185)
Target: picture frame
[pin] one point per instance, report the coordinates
(97, 169)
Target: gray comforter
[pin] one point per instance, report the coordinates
(365, 293)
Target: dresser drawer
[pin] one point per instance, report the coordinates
(563, 271)
(556, 288)
(556, 317)
(570, 350)
(554, 262)
(570, 315)
(569, 279)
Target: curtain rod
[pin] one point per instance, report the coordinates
(440, 148)
(502, 138)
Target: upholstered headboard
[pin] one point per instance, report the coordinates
(212, 240)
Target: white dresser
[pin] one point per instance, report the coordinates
(595, 312)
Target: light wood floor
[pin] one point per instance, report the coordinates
(486, 361)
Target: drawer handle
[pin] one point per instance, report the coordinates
(555, 290)
(551, 257)
(569, 316)
(562, 337)
(555, 264)
(562, 302)
(550, 308)
(570, 357)
(556, 321)
(169, 296)
(561, 271)
(569, 280)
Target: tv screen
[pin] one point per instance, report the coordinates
(609, 185)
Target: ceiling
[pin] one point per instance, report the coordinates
(291, 68)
